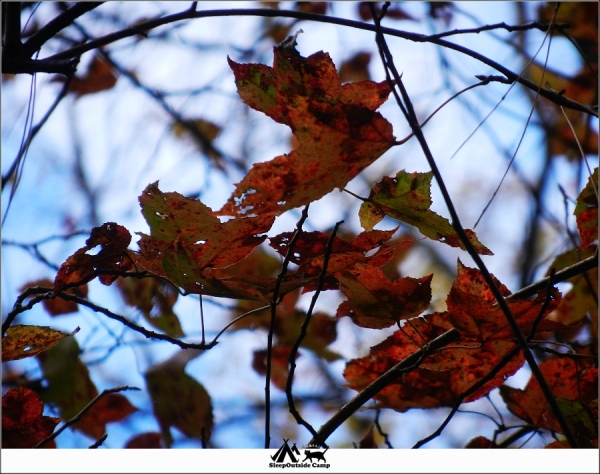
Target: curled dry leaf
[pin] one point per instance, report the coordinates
(83, 266)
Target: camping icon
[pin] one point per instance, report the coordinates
(284, 451)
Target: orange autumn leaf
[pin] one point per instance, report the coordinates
(476, 315)
(568, 383)
(419, 388)
(110, 408)
(441, 377)
(581, 301)
(336, 125)
(376, 302)
(99, 77)
(23, 422)
(58, 306)
(309, 254)
(187, 239)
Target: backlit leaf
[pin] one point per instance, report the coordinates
(467, 362)
(565, 381)
(309, 254)
(155, 299)
(81, 267)
(419, 388)
(23, 423)
(407, 198)
(476, 315)
(179, 401)
(586, 212)
(582, 298)
(376, 302)
(27, 341)
(186, 239)
(58, 306)
(70, 387)
(336, 125)
(580, 419)
(99, 77)
(110, 408)
(442, 376)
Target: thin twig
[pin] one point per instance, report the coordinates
(535, 25)
(99, 441)
(545, 305)
(274, 302)
(85, 409)
(34, 131)
(145, 332)
(524, 431)
(50, 29)
(480, 383)
(302, 335)
(266, 12)
(245, 315)
(535, 98)
(385, 436)
(490, 375)
(405, 365)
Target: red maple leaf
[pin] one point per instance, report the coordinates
(336, 125)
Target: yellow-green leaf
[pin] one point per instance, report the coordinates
(26, 341)
(407, 198)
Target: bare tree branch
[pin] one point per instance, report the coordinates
(191, 14)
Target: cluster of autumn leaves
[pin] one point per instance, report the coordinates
(198, 251)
